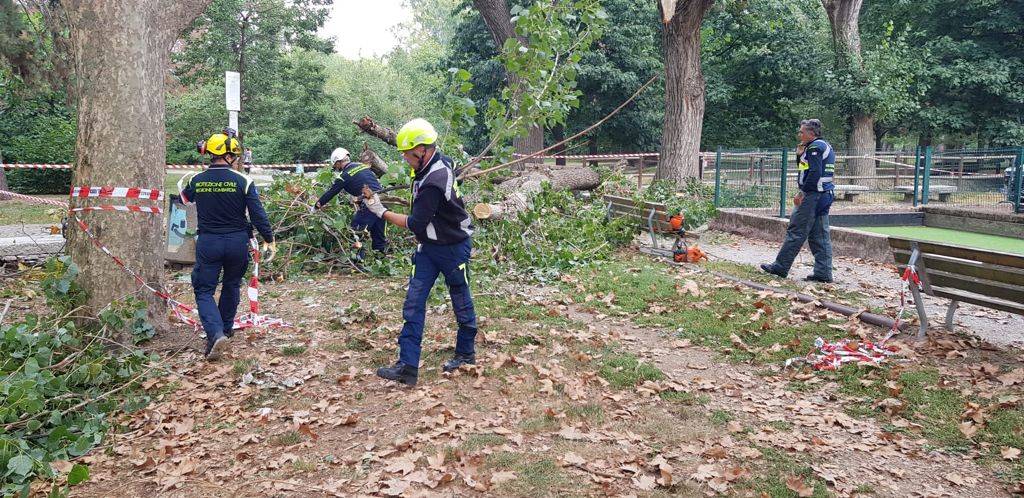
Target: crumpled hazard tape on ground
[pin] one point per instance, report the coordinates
(833, 355)
(180, 310)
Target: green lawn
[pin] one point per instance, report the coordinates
(955, 237)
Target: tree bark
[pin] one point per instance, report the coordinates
(843, 16)
(498, 19)
(121, 55)
(370, 158)
(558, 135)
(370, 127)
(684, 93)
(3, 179)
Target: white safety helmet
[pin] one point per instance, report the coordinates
(339, 154)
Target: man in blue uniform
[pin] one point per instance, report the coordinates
(222, 197)
(443, 229)
(816, 163)
(352, 177)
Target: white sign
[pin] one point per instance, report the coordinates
(233, 120)
(232, 90)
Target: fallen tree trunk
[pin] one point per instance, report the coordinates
(370, 127)
(519, 189)
(371, 159)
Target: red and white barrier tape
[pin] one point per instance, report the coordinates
(178, 309)
(37, 200)
(118, 192)
(832, 355)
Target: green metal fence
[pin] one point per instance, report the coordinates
(763, 180)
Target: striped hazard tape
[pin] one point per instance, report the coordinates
(179, 310)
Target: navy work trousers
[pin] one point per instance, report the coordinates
(365, 220)
(217, 252)
(809, 222)
(431, 260)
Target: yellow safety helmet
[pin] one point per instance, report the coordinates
(415, 132)
(219, 144)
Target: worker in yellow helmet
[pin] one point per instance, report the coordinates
(222, 197)
(443, 229)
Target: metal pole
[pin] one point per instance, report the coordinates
(917, 172)
(718, 176)
(782, 183)
(1019, 180)
(927, 174)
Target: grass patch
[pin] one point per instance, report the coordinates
(680, 397)
(289, 438)
(542, 477)
(720, 417)
(779, 466)
(242, 367)
(538, 424)
(494, 307)
(17, 212)
(590, 413)
(477, 442)
(293, 350)
(625, 370)
(356, 343)
(658, 300)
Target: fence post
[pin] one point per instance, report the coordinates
(782, 183)
(927, 174)
(1019, 181)
(917, 172)
(718, 176)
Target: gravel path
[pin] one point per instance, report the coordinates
(879, 282)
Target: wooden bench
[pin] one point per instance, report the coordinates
(962, 274)
(850, 192)
(942, 191)
(650, 216)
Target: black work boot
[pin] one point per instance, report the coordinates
(459, 360)
(400, 372)
(215, 347)
(815, 278)
(774, 270)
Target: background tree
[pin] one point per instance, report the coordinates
(121, 54)
(498, 19)
(684, 89)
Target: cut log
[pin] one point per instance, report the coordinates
(370, 158)
(505, 209)
(372, 128)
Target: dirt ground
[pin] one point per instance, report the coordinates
(570, 397)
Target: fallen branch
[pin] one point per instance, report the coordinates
(370, 127)
(371, 159)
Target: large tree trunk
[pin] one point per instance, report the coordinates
(684, 93)
(498, 19)
(843, 16)
(3, 178)
(519, 189)
(121, 55)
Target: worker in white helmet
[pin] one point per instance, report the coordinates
(351, 177)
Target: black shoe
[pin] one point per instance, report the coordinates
(215, 348)
(774, 270)
(400, 372)
(458, 361)
(815, 278)
(229, 333)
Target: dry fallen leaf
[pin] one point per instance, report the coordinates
(504, 476)
(1009, 453)
(797, 485)
(644, 482)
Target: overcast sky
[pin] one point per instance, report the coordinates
(362, 28)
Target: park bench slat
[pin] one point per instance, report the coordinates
(951, 280)
(984, 271)
(983, 301)
(641, 212)
(961, 252)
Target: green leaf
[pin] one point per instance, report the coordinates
(20, 465)
(79, 474)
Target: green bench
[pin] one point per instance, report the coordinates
(963, 275)
(650, 216)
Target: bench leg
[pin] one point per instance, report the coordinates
(922, 315)
(650, 227)
(949, 315)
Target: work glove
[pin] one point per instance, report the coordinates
(372, 202)
(797, 199)
(270, 249)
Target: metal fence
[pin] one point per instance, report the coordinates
(983, 179)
